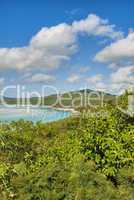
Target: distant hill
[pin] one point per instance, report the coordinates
(74, 98)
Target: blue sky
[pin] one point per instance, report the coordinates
(78, 56)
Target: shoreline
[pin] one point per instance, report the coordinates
(72, 110)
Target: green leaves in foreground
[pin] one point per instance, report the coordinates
(109, 141)
(82, 158)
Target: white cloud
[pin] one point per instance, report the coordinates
(101, 86)
(2, 80)
(96, 82)
(73, 78)
(41, 78)
(47, 49)
(121, 50)
(94, 25)
(113, 66)
(121, 79)
(84, 69)
(124, 75)
(95, 79)
(121, 56)
(51, 46)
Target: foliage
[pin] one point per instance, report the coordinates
(88, 157)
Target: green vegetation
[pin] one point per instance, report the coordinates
(88, 157)
(74, 98)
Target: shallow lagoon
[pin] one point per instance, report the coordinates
(35, 114)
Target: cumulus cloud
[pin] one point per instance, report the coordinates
(120, 50)
(120, 55)
(84, 69)
(124, 75)
(94, 25)
(40, 78)
(114, 65)
(119, 80)
(47, 49)
(51, 46)
(73, 78)
(96, 82)
(2, 80)
(95, 79)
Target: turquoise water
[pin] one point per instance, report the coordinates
(33, 114)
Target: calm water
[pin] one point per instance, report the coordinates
(32, 114)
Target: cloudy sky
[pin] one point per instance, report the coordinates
(69, 44)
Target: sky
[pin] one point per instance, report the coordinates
(66, 44)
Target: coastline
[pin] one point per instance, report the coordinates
(72, 110)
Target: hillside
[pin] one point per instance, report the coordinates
(74, 98)
(84, 158)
